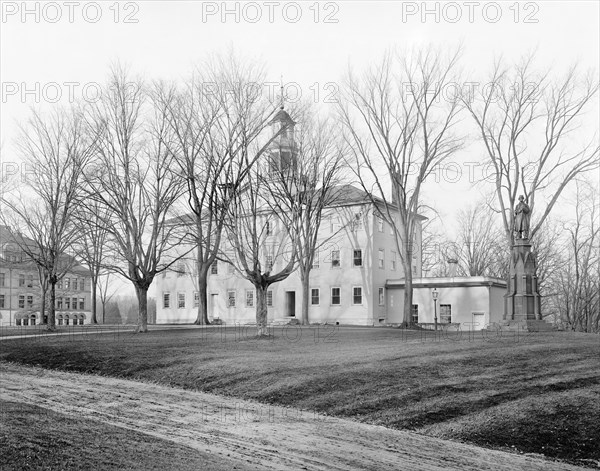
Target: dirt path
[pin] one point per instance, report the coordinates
(251, 434)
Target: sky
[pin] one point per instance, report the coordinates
(55, 52)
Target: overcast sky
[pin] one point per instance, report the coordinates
(63, 48)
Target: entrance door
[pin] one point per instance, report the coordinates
(214, 300)
(290, 303)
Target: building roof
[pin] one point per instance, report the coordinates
(449, 282)
(9, 244)
(283, 117)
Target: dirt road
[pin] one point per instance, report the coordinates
(253, 435)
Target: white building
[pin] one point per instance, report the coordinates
(348, 278)
(350, 282)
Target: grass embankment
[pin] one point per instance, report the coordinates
(530, 393)
(32, 438)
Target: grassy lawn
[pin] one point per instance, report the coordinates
(33, 438)
(40, 330)
(529, 393)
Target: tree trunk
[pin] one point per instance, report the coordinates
(202, 318)
(305, 279)
(261, 310)
(94, 304)
(142, 295)
(43, 310)
(51, 313)
(408, 292)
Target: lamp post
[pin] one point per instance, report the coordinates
(434, 295)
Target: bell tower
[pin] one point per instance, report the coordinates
(282, 154)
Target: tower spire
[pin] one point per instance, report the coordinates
(282, 99)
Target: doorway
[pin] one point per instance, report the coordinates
(290, 303)
(214, 300)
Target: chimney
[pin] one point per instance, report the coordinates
(452, 267)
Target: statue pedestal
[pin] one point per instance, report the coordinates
(522, 299)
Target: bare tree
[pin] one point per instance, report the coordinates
(399, 123)
(263, 248)
(104, 291)
(577, 285)
(525, 118)
(480, 250)
(55, 149)
(302, 189)
(213, 122)
(134, 180)
(91, 244)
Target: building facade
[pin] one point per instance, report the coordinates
(20, 294)
(347, 282)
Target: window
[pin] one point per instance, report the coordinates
(180, 300)
(314, 296)
(269, 298)
(381, 258)
(67, 303)
(335, 259)
(21, 280)
(357, 295)
(415, 313)
(230, 298)
(381, 294)
(74, 304)
(230, 269)
(379, 224)
(181, 268)
(315, 261)
(82, 303)
(414, 269)
(269, 262)
(30, 281)
(21, 301)
(268, 228)
(336, 296)
(393, 261)
(75, 284)
(196, 299)
(1, 301)
(82, 284)
(59, 284)
(357, 258)
(166, 300)
(2, 279)
(59, 303)
(249, 298)
(29, 301)
(67, 283)
(445, 313)
(214, 268)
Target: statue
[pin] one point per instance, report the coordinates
(522, 217)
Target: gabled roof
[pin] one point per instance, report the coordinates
(347, 195)
(283, 117)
